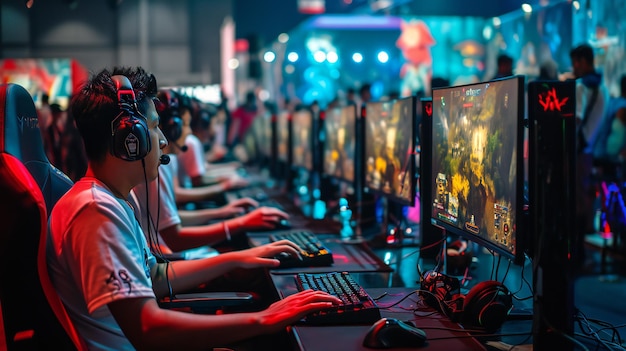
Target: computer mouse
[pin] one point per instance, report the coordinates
(388, 333)
(283, 224)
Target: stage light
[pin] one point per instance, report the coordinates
(496, 22)
(319, 56)
(289, 69)
(357, 57)
(283, 38)
(269, 56)
(527, 8)
(382, 56)
(29, 3)
(264, 95)
(332, 57)
(576, 5)
(233, 63)
(293, 56)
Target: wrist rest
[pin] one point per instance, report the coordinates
(206, 302)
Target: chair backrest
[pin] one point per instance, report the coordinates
(34, 316)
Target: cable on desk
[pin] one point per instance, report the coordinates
(564, 335)
(611, 346)
(523, 280)
(588, 331)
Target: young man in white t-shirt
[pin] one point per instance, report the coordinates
(98, 257)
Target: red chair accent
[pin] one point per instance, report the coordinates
(33, 315)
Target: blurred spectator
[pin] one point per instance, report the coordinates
(505, 66)
(591, 96)
(241, 119)
(548, 70)
(44, 114)
(63, 145)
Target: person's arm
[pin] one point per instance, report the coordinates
(183, 275)
(180, 238)
(205, 215)
(148, 326)
(202, 190)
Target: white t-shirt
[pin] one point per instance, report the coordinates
(97, 254)
(161, 192)
(192, 161)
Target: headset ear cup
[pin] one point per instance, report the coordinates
(174, 129)
(487, 305)
(130, 135)
(131, 138)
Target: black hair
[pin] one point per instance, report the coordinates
(584, 52)
(201, 117)
(166, 105)
(504, 59)
(95, 106)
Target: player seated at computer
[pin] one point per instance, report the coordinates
(187, 232)
(176, 128)
(195, 170)
(98, 259)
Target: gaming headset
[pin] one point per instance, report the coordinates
(171, 123)
(130, 136)
(485, 307)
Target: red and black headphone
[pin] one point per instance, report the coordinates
(130, 137)
(485, 307)
(167, 108)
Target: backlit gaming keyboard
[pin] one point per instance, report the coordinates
(357, 308)
(314, 253)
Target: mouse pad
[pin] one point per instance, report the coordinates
(347, 257)
(350, 337)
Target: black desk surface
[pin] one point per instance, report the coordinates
(442, 334)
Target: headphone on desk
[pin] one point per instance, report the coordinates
(171, 123)
(486, 306)
(130, 136)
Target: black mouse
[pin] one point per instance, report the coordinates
(283, 224)
(388, 333)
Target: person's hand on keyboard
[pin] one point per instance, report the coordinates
(263, 218)
(262, 256)
(294, 307)
(239, 206)
(234, 182)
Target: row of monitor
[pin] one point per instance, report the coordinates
(470, 141)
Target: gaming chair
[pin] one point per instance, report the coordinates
(33, 315)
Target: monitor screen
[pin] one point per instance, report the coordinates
(282, 137)
(477, 162)
(389, 138)
(340, 143)
(262, 129)
(302, 139)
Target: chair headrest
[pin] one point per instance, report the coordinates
(20, 136)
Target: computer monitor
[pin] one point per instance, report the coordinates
(282, 136)
(262, 129)
(302, 139)
(477, 175)
(340, 145)
(389, 149)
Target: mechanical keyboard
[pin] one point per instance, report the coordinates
(357, 308)
(314, 253)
